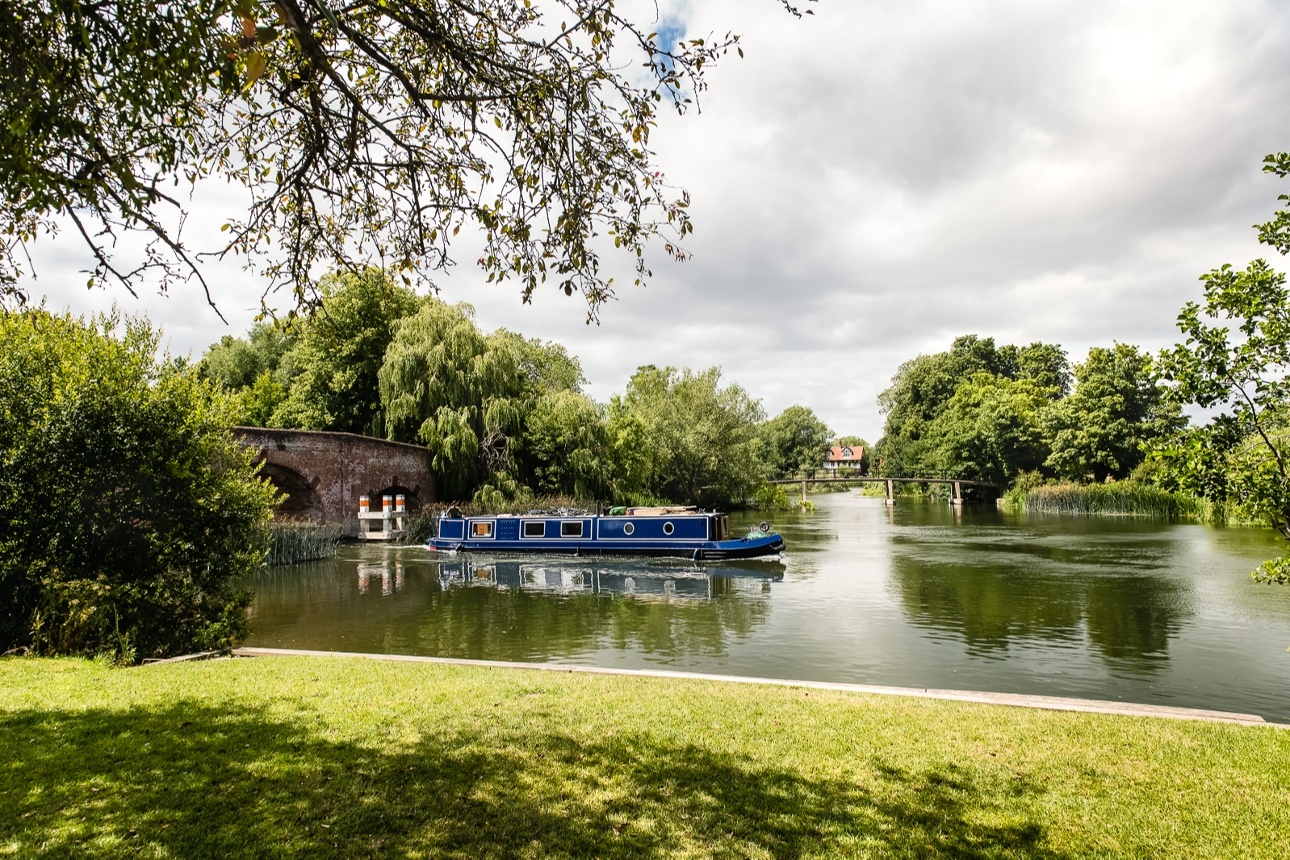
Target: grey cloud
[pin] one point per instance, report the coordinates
(872, 181)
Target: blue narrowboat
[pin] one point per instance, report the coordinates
(670, 531)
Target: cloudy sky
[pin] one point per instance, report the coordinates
(876, 179)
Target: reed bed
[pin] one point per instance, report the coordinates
(292, 543)
(1123, 498)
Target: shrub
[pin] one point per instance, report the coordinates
(771, 497)
(130, 510)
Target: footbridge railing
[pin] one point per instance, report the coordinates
(957, 485)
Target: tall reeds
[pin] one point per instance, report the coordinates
(1124, 498)
(293, 542)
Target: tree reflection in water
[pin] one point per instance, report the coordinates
(1018, 593)
(515, 610)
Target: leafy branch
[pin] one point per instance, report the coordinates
(372, 130)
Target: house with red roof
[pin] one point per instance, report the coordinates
(850, 457)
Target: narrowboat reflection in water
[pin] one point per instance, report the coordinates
(662, 581)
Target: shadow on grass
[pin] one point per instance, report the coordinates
(194, 781)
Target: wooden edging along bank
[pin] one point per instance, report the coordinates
(1051, 703)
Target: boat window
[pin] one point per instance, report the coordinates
(628, 528)
(535, 528)
(571, 528)
(668, 528)
(481, 529)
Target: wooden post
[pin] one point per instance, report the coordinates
(891, 492)
(803, 492)
(956, 495)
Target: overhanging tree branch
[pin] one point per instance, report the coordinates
(357, 130)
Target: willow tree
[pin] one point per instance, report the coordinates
(447, 385)
(368, 130)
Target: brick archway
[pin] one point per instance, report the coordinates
(323, 474)
(300, 501)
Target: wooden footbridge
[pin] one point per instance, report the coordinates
(957, 485)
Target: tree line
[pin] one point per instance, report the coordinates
(999, 413)
(505, 416)
(993, 413)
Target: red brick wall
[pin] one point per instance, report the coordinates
(325, 473)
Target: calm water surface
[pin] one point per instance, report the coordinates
(916, 596)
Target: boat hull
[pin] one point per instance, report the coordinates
(671, 534)
(769, 545)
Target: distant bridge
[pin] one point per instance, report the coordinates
(956, 485)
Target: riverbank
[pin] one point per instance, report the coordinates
(336, 757)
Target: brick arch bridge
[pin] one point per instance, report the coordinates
(322, 474)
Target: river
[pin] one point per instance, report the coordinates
(915, 595)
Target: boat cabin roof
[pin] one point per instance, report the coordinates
(656, 511)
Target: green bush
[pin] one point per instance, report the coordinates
(129, 509)
(771, 497)
(1025, 483)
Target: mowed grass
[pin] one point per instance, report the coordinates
(301, 757)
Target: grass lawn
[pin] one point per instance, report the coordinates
(300, 757)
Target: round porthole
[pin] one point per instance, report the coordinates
(668, 528)
(628, 528)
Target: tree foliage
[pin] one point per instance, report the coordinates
(130, 510)
(236, 362)
(566, 447)
(444, 384)
(543, 367)
(992, 412)
(249, 369)
(922, 389)
(1114, 418)
(990, 429)
(502, 415)
(1234, 364)
(1241, 453)
(360, 131)
(332, 367)
(795, 440)
(701, 438)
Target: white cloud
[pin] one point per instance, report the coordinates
(877, 178)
